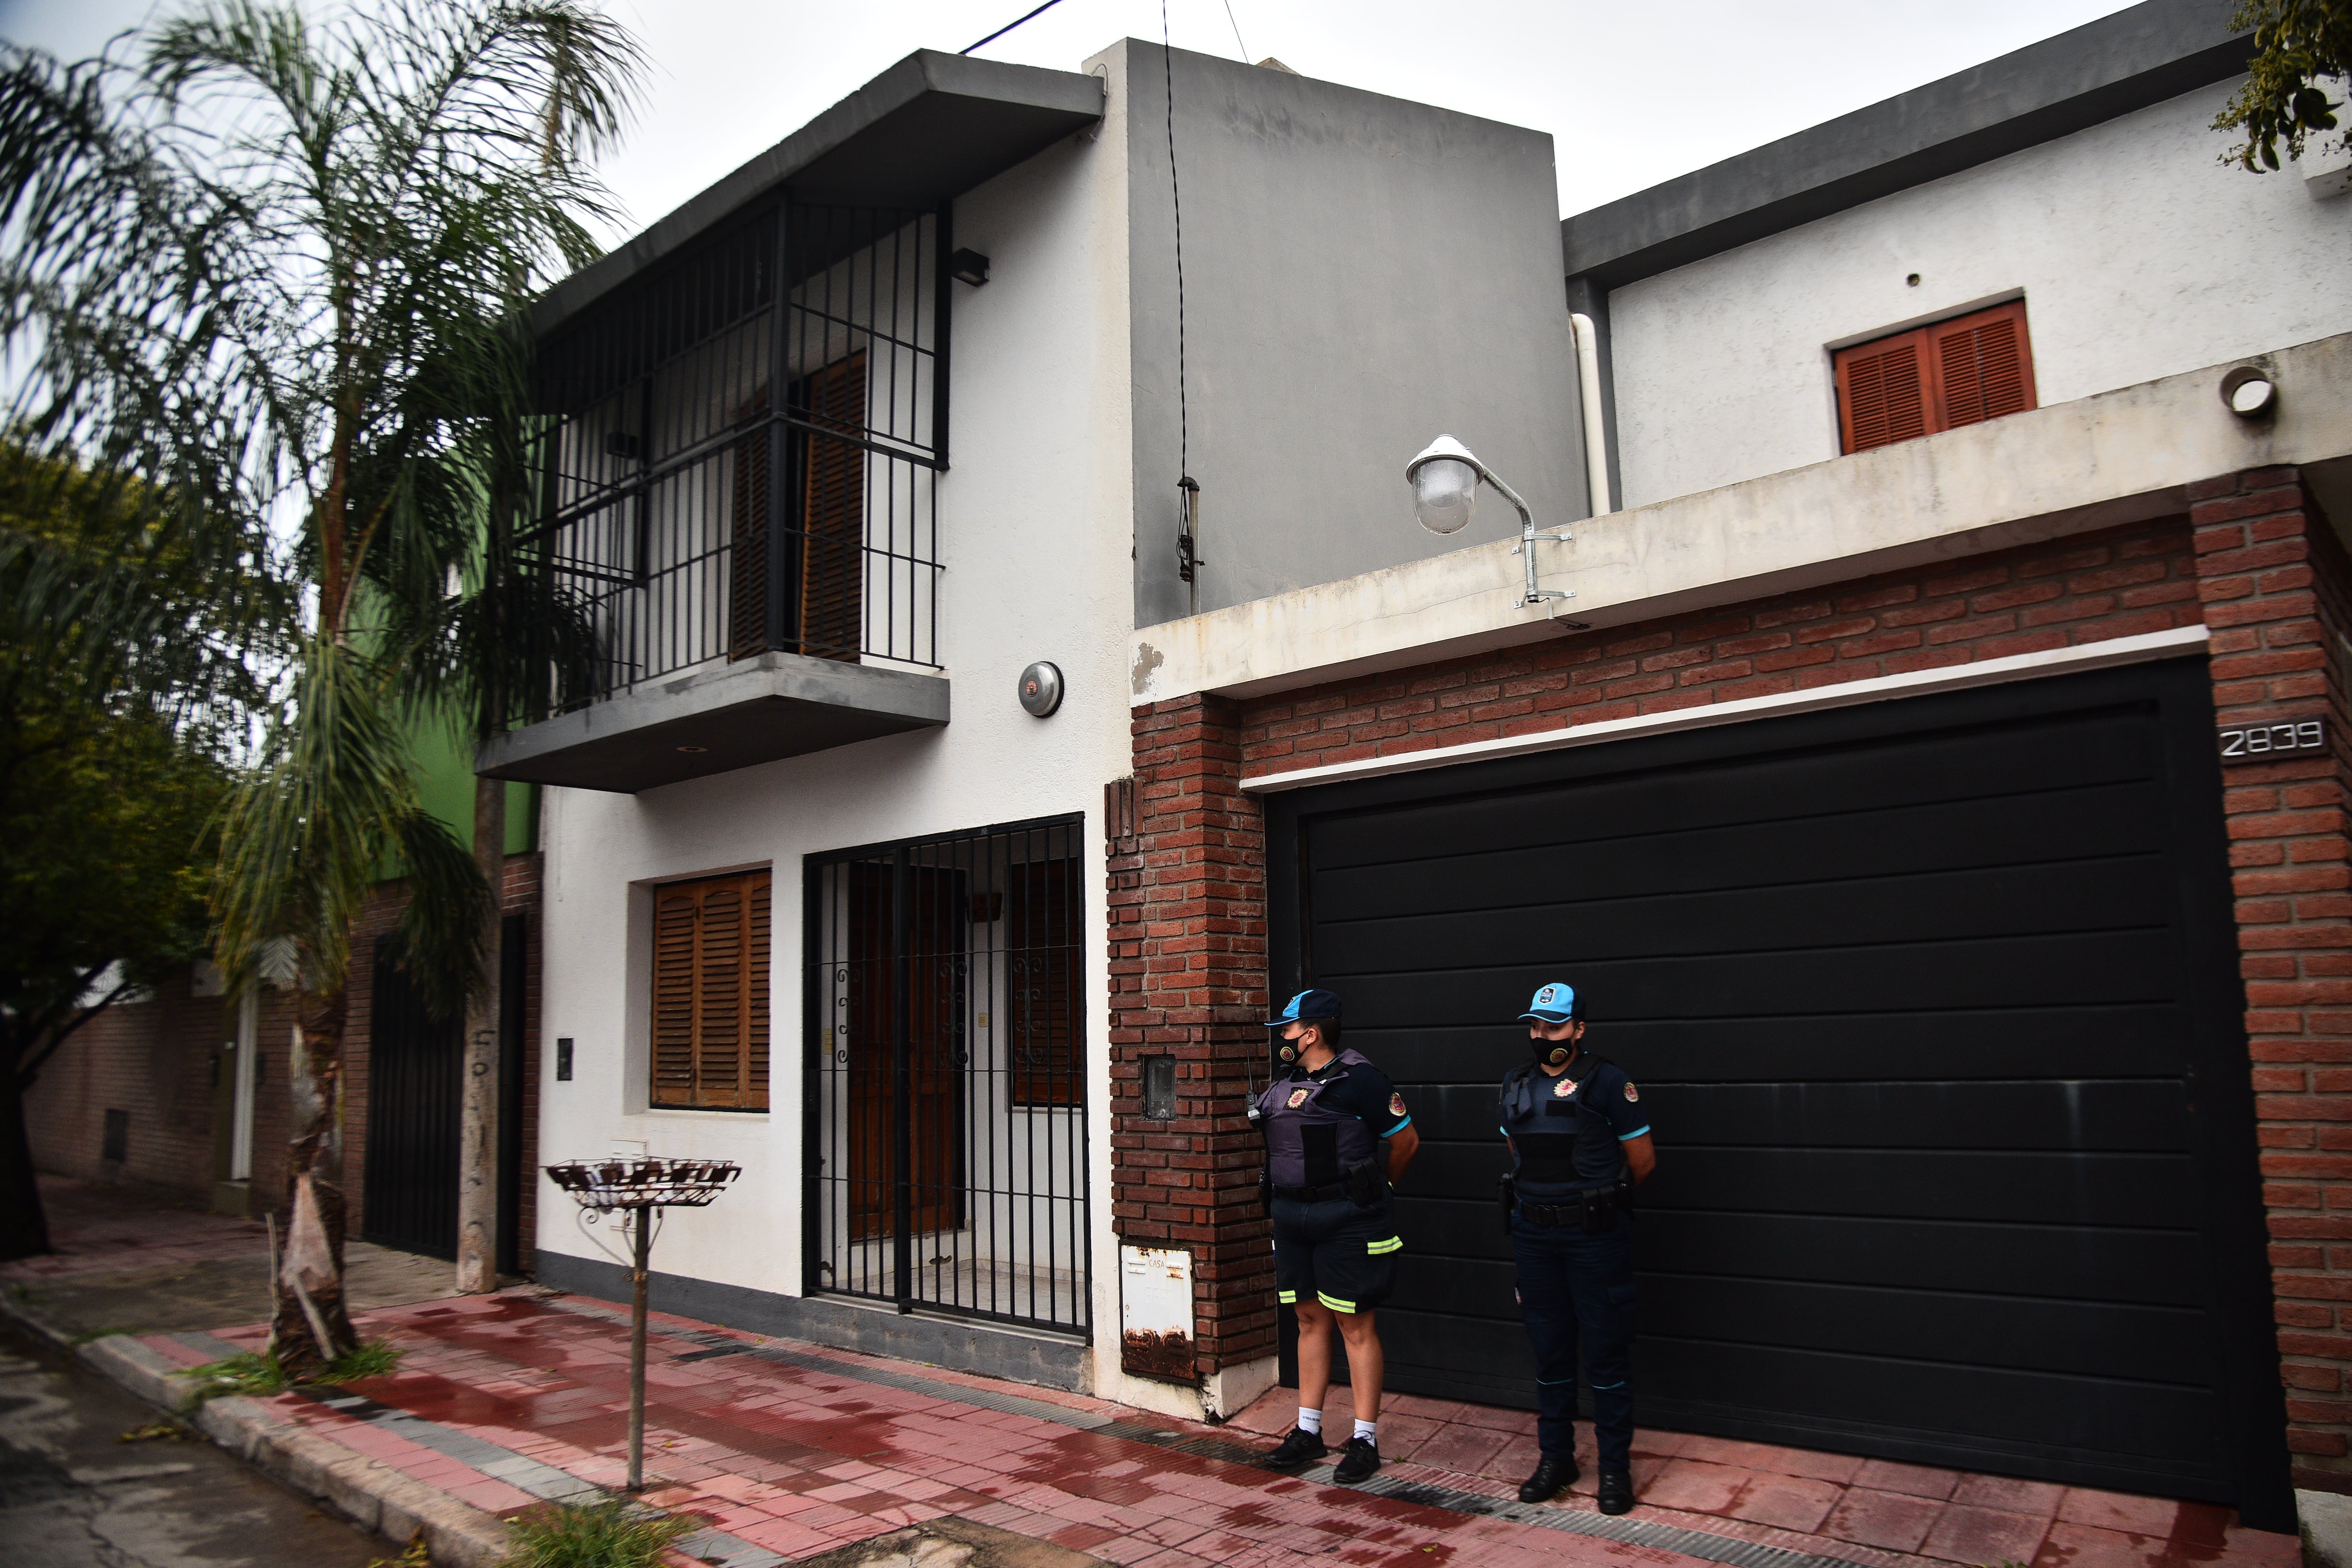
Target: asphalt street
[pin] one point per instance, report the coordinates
(74, 1494)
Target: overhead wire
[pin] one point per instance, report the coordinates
(1187, 493)
(1008, 26)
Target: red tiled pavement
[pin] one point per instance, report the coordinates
(799, 1457)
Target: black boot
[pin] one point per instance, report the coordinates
(1554, 1473)
(1301, 1447)
(1616, 1491)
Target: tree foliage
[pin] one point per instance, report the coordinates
(275, 267)
(2298, 46)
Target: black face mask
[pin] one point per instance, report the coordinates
(1550, 1053)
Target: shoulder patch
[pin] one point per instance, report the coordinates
(1396, 1105)
(1630, 1092)
(1298, 1097)
(1565, 1087)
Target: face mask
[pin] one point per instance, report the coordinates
(1550, 1053)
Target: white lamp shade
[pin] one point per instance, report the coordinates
(1444, 493)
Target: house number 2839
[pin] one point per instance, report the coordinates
(2253, 742)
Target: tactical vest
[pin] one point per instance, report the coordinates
(1560, 1146)
(1309, 1143)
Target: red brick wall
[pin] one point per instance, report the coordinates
(1187, 935)
(2121, 583)
(2278, 595)
(154, 1059)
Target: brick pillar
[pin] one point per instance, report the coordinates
(1187, 959)
(2277, 593)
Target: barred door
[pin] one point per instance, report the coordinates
(946, 1104)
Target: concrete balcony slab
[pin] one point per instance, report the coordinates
(716, 719)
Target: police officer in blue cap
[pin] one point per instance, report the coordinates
(1579, 1143)
(1337, 1136)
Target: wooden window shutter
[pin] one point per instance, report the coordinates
(1983, 366)
(710, 992)
(1044, 974)
(747, 573)
(1962, 372)
(833, 512)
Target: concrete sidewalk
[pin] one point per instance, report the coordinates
(786, 1450)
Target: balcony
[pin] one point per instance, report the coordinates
(746, 416)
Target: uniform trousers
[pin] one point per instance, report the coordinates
(1576, 1292)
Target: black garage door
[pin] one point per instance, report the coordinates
(1934, 1006)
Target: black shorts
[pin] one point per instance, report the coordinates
(1334, 1253)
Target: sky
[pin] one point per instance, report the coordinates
(1632, 94)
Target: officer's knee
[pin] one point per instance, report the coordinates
(1356, 1327)
(1314, 1319)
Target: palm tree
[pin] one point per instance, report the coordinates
(283, 262)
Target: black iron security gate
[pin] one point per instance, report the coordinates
(416, 1086)
(946, 1103)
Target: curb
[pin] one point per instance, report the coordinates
(368, 1493)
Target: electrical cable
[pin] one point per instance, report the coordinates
(1008, 26)
(1185, 488)
(1237, 32)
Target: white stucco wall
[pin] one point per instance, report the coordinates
(1035, 535)
(2139, 255)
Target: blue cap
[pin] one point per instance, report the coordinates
(1555, 1003)
(1307, 1007)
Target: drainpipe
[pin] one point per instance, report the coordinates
(1596, 445)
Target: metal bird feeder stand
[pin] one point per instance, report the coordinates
(636, 1186)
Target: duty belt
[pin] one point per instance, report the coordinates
(1591, 1211)
(1313, 1194)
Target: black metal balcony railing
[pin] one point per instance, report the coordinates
(743, 448)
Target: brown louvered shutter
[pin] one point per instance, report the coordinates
(1983, 365)
(1964, 370)
(1882, 395)
(711, 994)
(832, 549)
(746, 575)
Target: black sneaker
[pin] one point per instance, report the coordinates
(1616, 1491)
(1301, 1447)
(1358, 1460)
(1553, 1475)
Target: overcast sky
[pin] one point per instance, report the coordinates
(1632, 94)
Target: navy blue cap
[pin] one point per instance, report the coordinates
(1555, 1003)
(1307, 1007)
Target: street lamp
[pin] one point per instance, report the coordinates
(1445, 477)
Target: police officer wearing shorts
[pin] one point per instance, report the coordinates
(1337, 1136)
(1578, 1141)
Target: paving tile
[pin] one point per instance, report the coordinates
(1984, 1535)
(1891, 1521)
(1786, 1502)
(1456, 1446)
(2087, 1546)
(1767, 1457)
(2010, 1492)
(1698, 1486)
(2148, 1516)
(1914, 1480)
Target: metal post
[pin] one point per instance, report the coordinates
(641, 1217)
(902, 1139)
(781, 562)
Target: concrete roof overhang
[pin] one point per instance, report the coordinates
(928, 129)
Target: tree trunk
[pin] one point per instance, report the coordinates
(24, 1226)
(477, 1157)
(314, 1155)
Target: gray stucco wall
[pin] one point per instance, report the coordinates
(1361, 274)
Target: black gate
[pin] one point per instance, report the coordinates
(946, 1103)
(1934, 1006)
(416, 1082)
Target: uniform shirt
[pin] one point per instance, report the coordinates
(1607, 1092)
(1364, 1093)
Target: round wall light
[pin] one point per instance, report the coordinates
(2249, 392)
(1041, 689)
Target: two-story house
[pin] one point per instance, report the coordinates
(1931, 761)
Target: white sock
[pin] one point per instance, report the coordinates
(1311, 1421)
(1364, 1429)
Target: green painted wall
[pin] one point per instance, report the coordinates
(444, 781)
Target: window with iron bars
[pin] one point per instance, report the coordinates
(946, 1134)
(742, 448)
